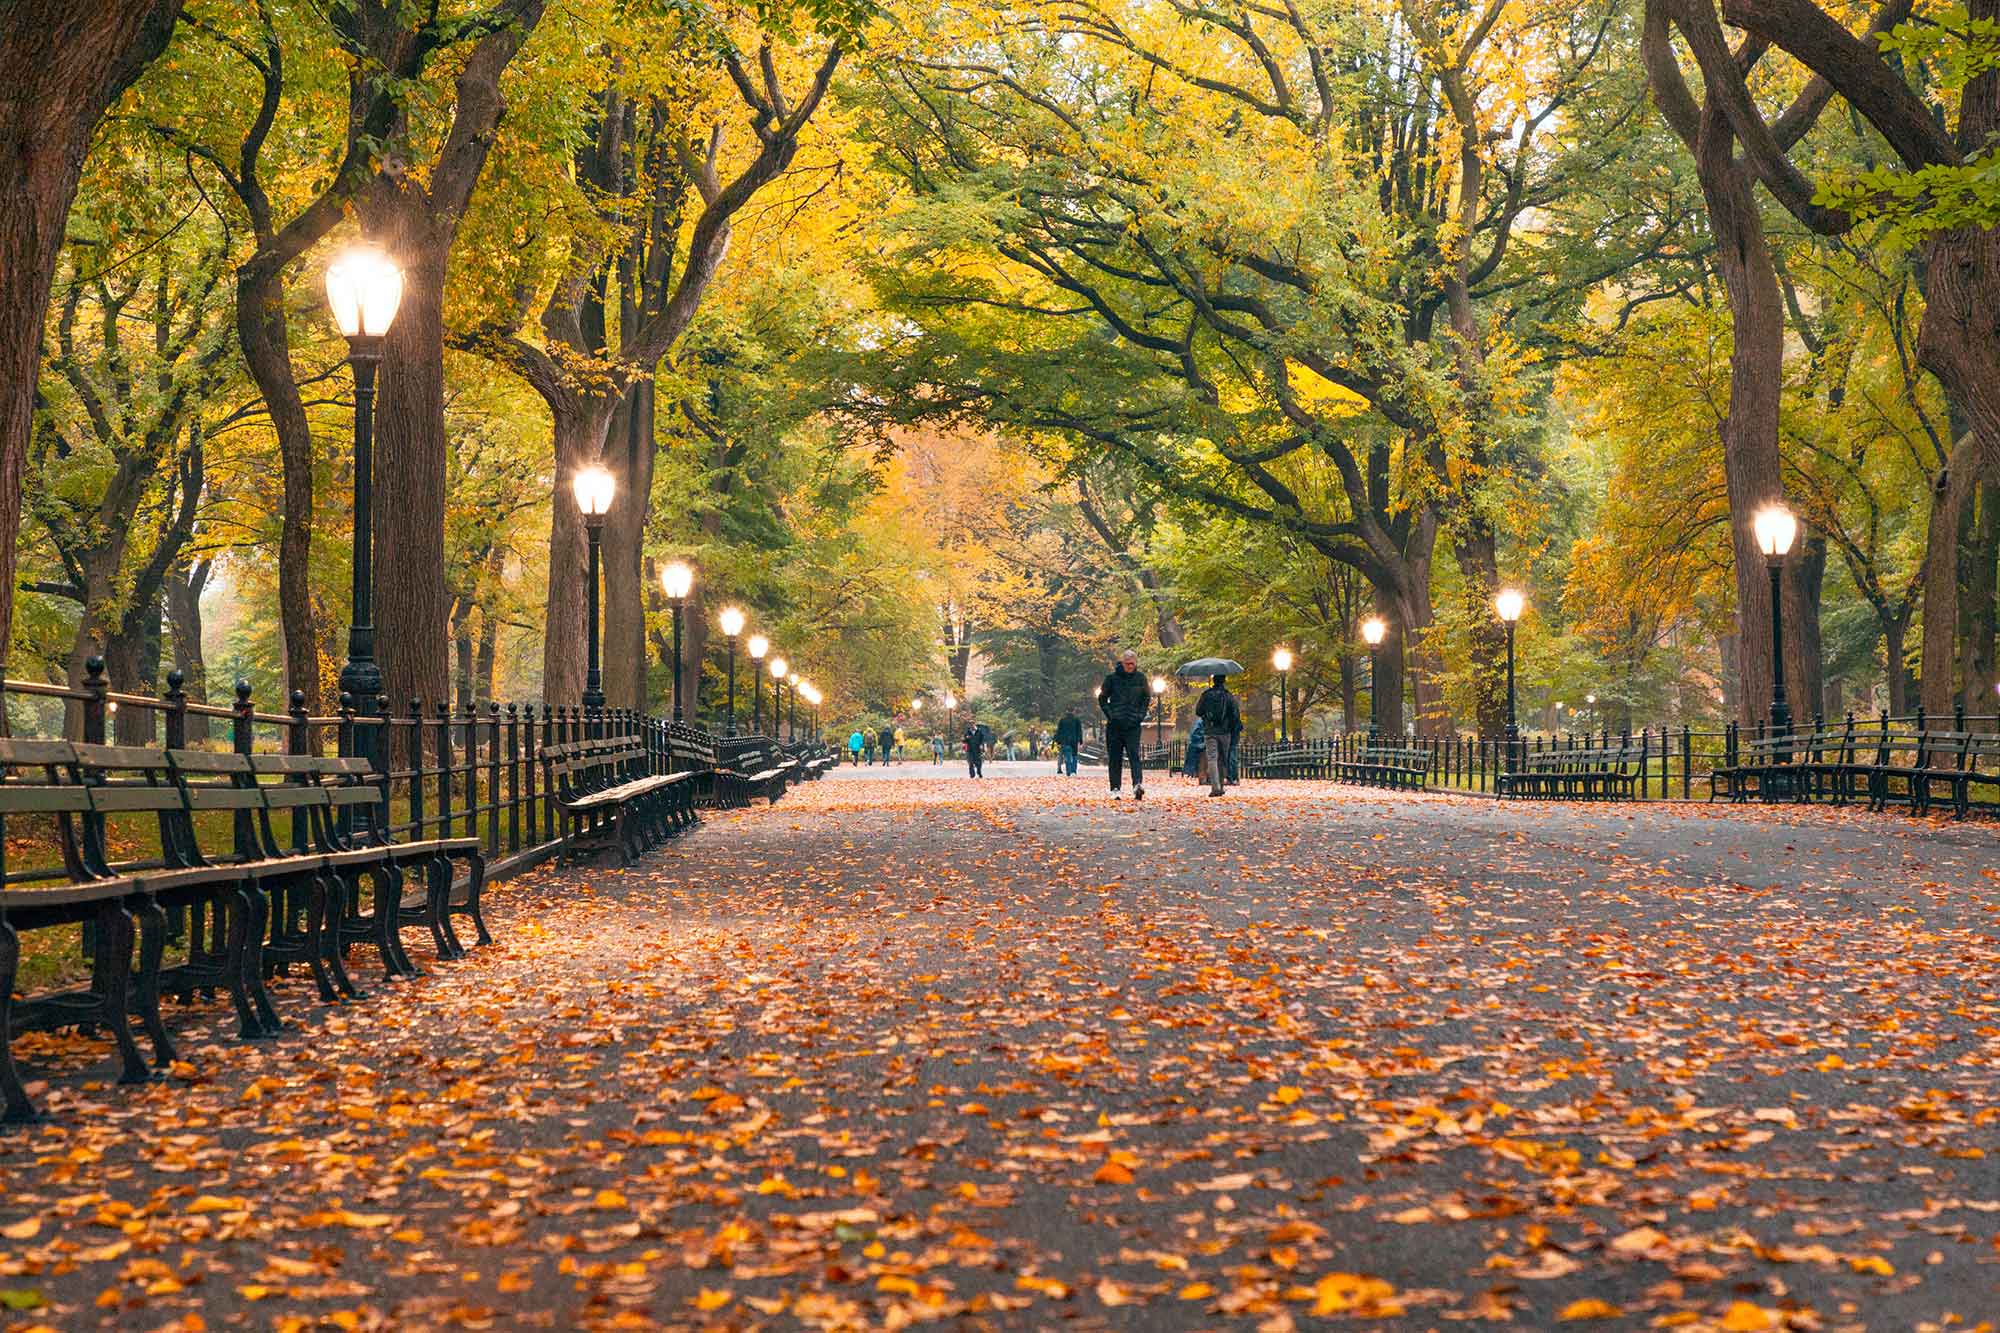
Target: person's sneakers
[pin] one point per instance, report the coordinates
(1115, 794)
(1138, 793)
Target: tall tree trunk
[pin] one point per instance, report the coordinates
(62, 64)
(184, 588)
(629, 453)
(132, 665)
(1750, 428)
(265, 341)
(579, 438)
(412, 606)
(1895, 630)
(1478, 561)
(414, 211)
(1982, 619)
(1938, 647)
(1805, 657)
(486, 662)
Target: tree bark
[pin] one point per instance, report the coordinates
(416, 218)
(62, 64)
(184, 588)
(412, 606)
(1983, 611)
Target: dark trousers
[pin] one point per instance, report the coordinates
(1122, 743)
(975, 763)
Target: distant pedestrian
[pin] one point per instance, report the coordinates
(1223, 722)
(888, 743)
(1069, 739)
(975, 750)
(855, 745)
(1197, 735)
(1124, 698)
(937, 751)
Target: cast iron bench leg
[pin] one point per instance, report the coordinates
(18, 1108)
(328, 941)
(112, 980)
(146, 989)
(475, 884)
(259, 908)
(396, 964)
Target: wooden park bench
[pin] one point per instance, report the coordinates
(746, 767)
(1291, 761)
(1574, 773)
(1962, 763)
(611, 800)
(1385, 766)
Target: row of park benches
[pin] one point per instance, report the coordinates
(615, 806)
(178, 847)
(1885, 764)
(1371, 765)
(242, 900)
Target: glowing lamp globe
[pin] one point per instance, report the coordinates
(1509, 604)
(1777, 528)
(677, 580)
(1281, 659)
(364, 287)
(594, 487)
(1373, 630)
(758, 646)
(732, 620)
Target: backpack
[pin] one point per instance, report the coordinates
(1214, 708)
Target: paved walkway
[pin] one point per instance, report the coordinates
(1011, 1055)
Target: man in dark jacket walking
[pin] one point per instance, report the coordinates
(1222, 723)
(888, 742)
(1069, 739)
(975, 749)
(1124, 697)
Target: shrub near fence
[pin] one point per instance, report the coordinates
(1674, 763)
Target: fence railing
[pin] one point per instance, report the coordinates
(470, 771)
(1672, 763)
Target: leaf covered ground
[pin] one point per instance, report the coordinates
(1009, 1055)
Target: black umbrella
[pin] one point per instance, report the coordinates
(1203, 667)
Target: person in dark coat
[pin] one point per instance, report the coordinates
(888, 742)
(975, 749)
(1222, 723)
(1069, 739)
(1124, 697)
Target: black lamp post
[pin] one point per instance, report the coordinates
(779, 666)
(1509, 604)
(1281, 659)
(1777, 528)
(1160, 711)
(364, 287)
(677, 580)
(594, 487)
(1373, 630)
(732, 620)
(792, 722)
(758, 646)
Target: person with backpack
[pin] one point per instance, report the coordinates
(1124, 698)
(1222, 723)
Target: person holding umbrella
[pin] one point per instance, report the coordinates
(1124, 698)
(1222, 723)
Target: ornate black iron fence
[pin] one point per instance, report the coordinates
(469, 771)
(1674, 763)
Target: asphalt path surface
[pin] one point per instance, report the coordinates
(1009, 1054)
